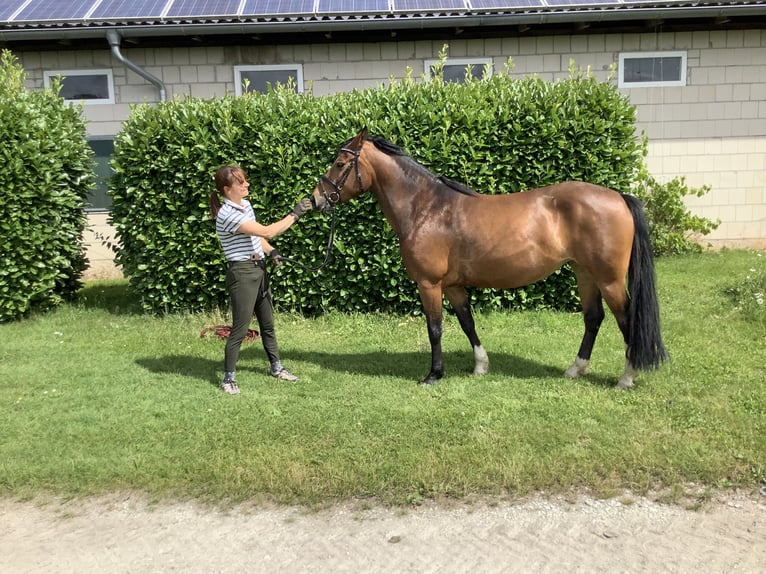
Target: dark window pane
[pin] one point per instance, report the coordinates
(652, 69)
(260, 80)
(456, 72)
(103, 149)
(95, 87)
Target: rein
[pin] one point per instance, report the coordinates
(328, 250)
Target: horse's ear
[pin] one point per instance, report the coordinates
(358, 140)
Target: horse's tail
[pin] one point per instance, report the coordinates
(646, 350)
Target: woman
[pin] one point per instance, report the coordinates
(245, 244)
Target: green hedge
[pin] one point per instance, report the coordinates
(45, 175)
(497, 135)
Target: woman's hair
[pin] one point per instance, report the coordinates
(224, 177)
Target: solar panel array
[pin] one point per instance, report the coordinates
(40, 10)
(202, 8)
(126, 9)
(28, 11)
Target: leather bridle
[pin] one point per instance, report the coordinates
(333, 197)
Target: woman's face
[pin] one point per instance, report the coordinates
(238, 190)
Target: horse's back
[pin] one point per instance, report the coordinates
(522, 237)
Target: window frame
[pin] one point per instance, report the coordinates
(481, 62)
(621, 83)
(239, 89)
(48, 75)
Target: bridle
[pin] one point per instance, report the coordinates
(333, 197)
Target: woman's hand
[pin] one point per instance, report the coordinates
(302, 207)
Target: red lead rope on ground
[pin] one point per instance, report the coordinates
(223, 331)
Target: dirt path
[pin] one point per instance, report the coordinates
(121, 535)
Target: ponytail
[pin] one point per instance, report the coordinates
(214, 202)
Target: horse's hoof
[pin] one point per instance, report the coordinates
(579, 368)
(624, 383)
(429, 380)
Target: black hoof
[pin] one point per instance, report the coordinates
(430, 380)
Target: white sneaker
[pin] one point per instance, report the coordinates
(229, 386)
(285, 375)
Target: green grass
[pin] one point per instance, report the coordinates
(96, 398)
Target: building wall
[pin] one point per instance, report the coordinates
(711, 131)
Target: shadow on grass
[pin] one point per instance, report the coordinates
(406, 366)
(185, 365)
(111, 296)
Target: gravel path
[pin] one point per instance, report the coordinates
(128, 535)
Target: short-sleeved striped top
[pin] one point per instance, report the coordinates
(237, 246)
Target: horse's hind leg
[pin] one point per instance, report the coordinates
(593, 316)
(617, 299)
(458, 298)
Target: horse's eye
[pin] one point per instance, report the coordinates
(339, 165)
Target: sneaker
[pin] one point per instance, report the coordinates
(284, 375)
(229, 386)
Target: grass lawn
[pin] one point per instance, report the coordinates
(97, 397)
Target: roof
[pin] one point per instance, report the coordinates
(39, 20)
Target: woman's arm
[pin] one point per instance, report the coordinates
(279, 227)
(267, 247)
(267, 231)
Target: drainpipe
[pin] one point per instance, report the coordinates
(113, 36)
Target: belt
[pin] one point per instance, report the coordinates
(256, 259)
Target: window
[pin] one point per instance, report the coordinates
(259, 78)
(87, 86)
(649, 69)
(455, 68)
(103, 148)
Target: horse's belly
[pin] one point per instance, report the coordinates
(509, 272)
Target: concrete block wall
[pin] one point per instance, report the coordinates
(712, 131)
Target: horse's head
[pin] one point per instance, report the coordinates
(343, 180)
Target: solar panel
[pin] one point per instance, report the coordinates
(39, 10)
(277, 7)
(203, 8)
(352, 6)
(149, 9)
(500, 4)
(8, 7)
(428, 5)
(580, 2)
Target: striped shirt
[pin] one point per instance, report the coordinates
(237, 246)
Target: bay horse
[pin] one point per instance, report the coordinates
(452, 237)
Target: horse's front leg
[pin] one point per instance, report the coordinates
(458, 298)
(431, 297)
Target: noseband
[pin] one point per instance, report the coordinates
(333, 197)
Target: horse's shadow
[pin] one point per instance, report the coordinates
(406, 366)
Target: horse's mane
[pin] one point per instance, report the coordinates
(392, 149)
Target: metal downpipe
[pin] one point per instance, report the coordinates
(113, 36)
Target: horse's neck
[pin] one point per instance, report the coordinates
(399, 197)
(396, 206)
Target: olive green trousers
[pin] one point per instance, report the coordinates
(250, 292)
